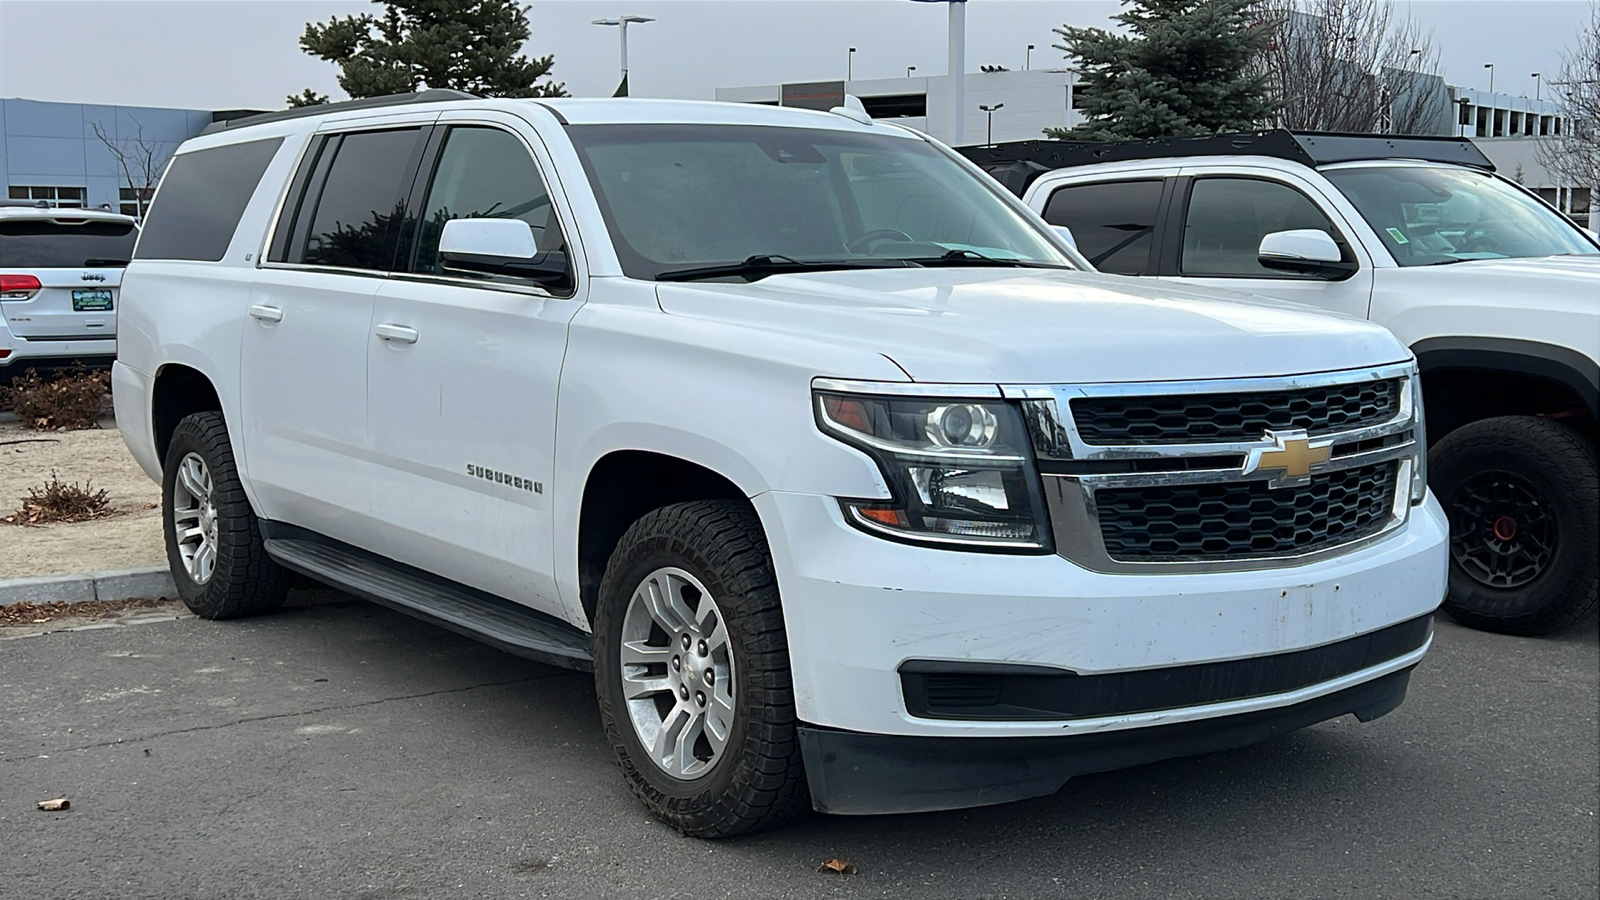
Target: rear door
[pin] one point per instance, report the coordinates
(77, 262)
(1114, 219)
(303, 372)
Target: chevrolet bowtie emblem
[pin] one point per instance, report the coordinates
(1290, 454)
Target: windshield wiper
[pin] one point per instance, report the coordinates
(757, 267)
(964, 257)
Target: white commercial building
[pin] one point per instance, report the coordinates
(1025, 103)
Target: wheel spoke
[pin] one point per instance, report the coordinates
(638, 687)
(638, 653)
(684, 760)
(191, 479)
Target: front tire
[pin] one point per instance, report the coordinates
(214, 545)
(1521, 494)
(692, 672)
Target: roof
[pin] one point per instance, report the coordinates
(1017, 163)
(62, 212)
(573, 111)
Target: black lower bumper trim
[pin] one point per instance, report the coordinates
(852, 773)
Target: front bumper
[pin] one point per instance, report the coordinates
(857, 609)
(851, 773)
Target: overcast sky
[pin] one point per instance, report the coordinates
(223, 54)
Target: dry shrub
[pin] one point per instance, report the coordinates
(61, 502)
(72, 400)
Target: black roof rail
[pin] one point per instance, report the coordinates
(435, 95)
(1015, 164)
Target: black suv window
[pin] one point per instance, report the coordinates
(201, 199)
(64, 244)
(352, 218)
(1228, 217)
(485, 173)
(1113, 222)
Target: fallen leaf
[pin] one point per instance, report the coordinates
(834, 864)
(53, 805)
(147, 751)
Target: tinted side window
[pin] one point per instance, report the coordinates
(485, 173)
(1114, 223)
(1228, 217)
(201, 199)
(357, 213)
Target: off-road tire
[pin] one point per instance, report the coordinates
(759, 781)
(244, 581)
(1558, 467)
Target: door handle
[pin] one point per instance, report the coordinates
(266, 313)
(398, 334)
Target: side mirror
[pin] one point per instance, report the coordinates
(501, 247)
(1309, 251)
(1066, 235)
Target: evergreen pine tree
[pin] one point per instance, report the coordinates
(466, 45)
(1185, 67)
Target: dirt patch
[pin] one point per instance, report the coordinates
(16, 615)
(129, 540)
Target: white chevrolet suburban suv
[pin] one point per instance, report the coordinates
(853, 489)
(1496, 293)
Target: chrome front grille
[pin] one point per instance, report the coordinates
(1235, 415)
(1174, 476)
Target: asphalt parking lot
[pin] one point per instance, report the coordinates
(340, 749)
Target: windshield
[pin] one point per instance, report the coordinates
(46, 244)
(1428, 215)
(683, 198)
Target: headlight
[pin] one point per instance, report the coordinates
(1419, 467)
(960, 470)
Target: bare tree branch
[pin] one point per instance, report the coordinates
(142, 161)
(1573, 157)
(1351, 65)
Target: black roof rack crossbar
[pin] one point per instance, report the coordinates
(436, 95)
(1015, 164)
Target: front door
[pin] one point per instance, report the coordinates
(462, 378)
(1223, 224)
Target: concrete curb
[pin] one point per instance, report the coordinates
(7, 417)
(119, 584)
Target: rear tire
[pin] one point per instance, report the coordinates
(214, 545)
(1523, 498)
(689, 640)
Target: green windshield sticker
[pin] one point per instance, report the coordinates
(1398, 235)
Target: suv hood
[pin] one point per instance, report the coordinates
(1019, 326)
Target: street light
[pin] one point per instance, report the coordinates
(1536, 86)
(1027, 59)
(990, 129)
(849, 64)
(909, 70)
(622, 23)
(1490, 67)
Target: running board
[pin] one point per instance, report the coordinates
(493, 620)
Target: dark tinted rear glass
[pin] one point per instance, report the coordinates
(42, 244)
(201, 199)
(1113, 223)
(356, 218)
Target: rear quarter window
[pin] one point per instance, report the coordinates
(201, 199)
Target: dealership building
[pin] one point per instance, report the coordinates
(67, 154)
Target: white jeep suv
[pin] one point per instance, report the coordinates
(849, 483)
(1496, 293)
(60, 270)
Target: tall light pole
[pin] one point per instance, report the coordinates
(622, 23)
(1490, 67)
(1536, 86)
(909, 70)
(1027, 59)
(989, 130)
(956, 67)
(849, 64)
